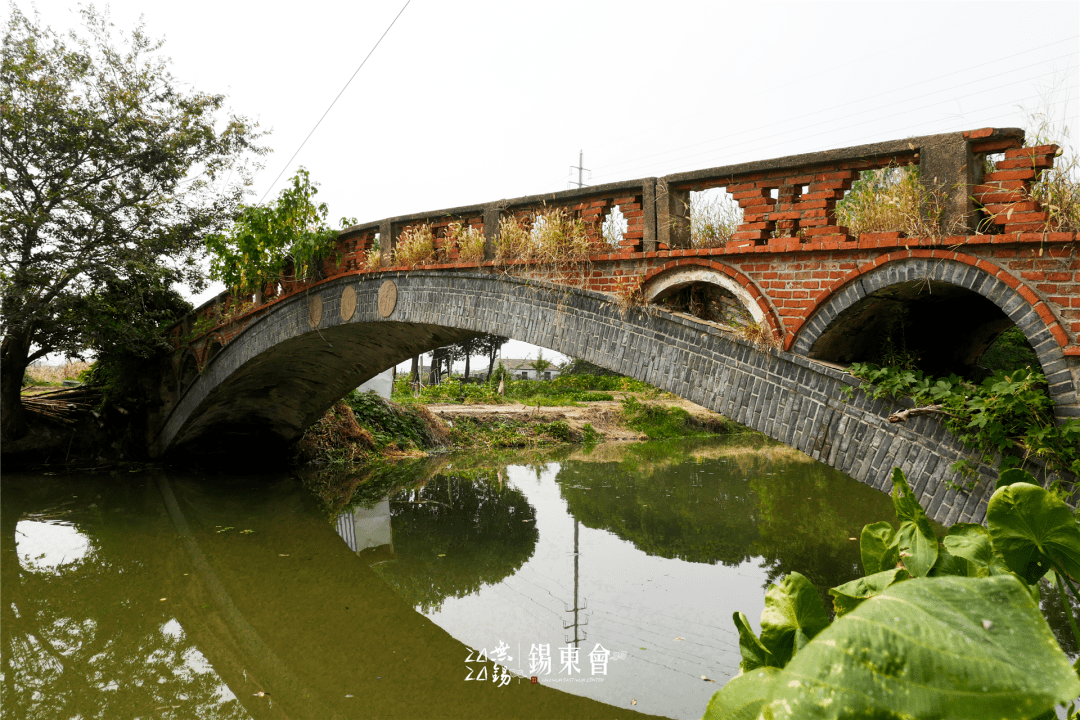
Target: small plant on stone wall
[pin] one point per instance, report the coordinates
(628, 293)
(415, 246)
(892, 199)
(759, 334)
(469, 240)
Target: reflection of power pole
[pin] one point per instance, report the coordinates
(580, 170)
(575, 609)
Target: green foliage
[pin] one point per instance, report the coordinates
(1034, 531)
(267, 238)
(1009, 414)
(1009, 352)
(470, 432)
(563, 390)
(892, 651)
(659, 422)
(112, 175)
(388, 423)
(896, 656)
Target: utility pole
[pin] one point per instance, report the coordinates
(576, 624)
(580, 170)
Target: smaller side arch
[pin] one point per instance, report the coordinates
(1014, 299)
(187, 370)
(680, 273)
(213, 346)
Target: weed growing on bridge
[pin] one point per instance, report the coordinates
(1008, 414)
(552, 239)
(373, 258)
(1057, 189)
(415, 246)
(892, 199)
(469, 241)
(714, 218)
(758, 334)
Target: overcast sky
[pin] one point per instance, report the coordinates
(469, 102)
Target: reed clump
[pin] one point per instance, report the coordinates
(1057, 189)
(555, 237)
(415, 246)
(893, 199)
(469, 241)
(713, 220)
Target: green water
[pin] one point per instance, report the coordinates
(371, 594)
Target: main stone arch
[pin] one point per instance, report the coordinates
(287, 367)
(1038, 327)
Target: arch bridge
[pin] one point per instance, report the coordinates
(757, 328)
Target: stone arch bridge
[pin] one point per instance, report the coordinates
(757, 328)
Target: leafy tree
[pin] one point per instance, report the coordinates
(266, 239)
(489, 346)
(112, 175)
(540, 364)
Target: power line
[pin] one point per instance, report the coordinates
(774, 142)
(771, 90)
(835, 119)
(335, 101)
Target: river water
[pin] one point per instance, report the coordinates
(433, 588)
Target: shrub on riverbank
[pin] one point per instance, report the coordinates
(363, 425)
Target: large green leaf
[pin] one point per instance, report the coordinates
(904, 500)
(850, 595)
(945, 648)
(973, 543)
(949, 564)
(742, 697)
(918, 546)
(1030, 528)
(1014, 475)
(878, 548)
(793, 615)
(754, 654)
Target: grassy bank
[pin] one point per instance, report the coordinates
(363, 426)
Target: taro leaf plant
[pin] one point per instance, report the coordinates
(943, 629)
(266, 239)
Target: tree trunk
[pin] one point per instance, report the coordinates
(466, 367)
(431, 370)
(13, 362)
(414, 372)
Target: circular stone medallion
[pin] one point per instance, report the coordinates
(387, 298)
(348, 303)
(314, 311)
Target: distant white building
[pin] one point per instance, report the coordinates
(383, 384)
(523, 370)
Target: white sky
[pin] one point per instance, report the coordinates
(469, 102)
